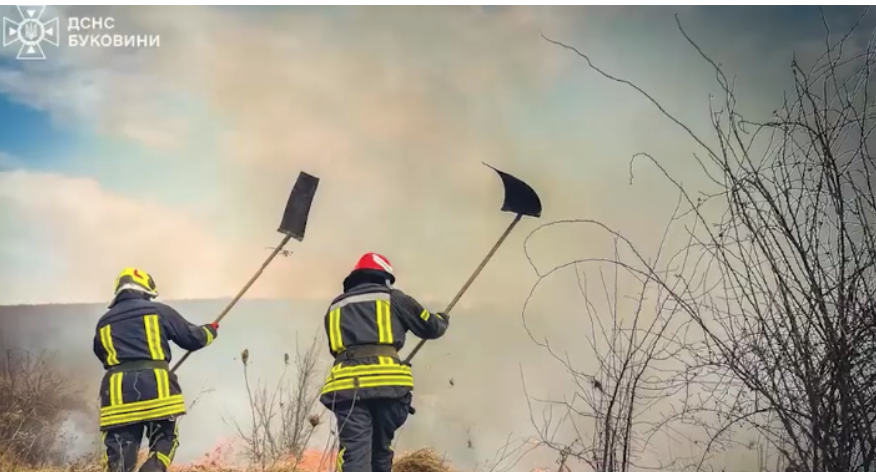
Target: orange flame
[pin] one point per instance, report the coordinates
(223, 455)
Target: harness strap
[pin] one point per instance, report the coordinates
(366, 350)
(131, 366)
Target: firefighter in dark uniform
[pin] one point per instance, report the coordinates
(138, 392)
(369, 388)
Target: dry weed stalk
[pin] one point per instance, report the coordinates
(283, 417)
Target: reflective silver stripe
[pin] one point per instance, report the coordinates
(365, 297)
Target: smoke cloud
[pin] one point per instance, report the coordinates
(194, 145)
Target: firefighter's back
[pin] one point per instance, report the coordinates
(364, 337)
(132, 331)
(131, 342)
(369, 387)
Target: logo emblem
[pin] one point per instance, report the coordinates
(31, 32)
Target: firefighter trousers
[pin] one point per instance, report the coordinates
(123, 443)
(366, 429)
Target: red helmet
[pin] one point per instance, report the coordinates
(374, 261)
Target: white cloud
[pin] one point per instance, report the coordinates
(8, 161)
(89, 235)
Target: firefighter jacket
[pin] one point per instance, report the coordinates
(132, 342)
(368, 315)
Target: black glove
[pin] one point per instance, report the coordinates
(445, 316)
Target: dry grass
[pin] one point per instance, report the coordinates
(35, 399)
(423, 460)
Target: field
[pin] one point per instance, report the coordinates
(424, 460)
(38, 397)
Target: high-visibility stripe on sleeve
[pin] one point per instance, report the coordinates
(106, 339)
(153, 337)
(162, 383)
(115, 389)
(336, 341)
(209, 335)
(384, 325)
(425, 315)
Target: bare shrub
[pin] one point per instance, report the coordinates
(283, 417)
(631, 350)
(35, 400)
(778, 268)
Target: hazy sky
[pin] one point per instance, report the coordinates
(179, 159)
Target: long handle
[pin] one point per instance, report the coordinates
(469, 281)
(240, 294)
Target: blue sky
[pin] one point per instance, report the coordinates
(38, 142)
(32, 137)
(207, 133)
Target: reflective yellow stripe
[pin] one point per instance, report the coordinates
(158, 385)
(155, 412)
(335, 339)
(175, 441)
(162, 383)
(339, 467)
(363, 370)
(164, 459)
(120, 377)
(363, 376)
(138, 416)
(115, 389)
(106, 339)
(142, 405)
(384, 325)
(166, 383)
(425, 315)
(209, 335)
(369, 382)
(142, 411)
(153, 337)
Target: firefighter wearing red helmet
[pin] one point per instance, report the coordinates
(369, 388)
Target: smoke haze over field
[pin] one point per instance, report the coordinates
(271, 328)
(179, 159)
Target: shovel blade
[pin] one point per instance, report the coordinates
(298, 207)
(520, 198)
